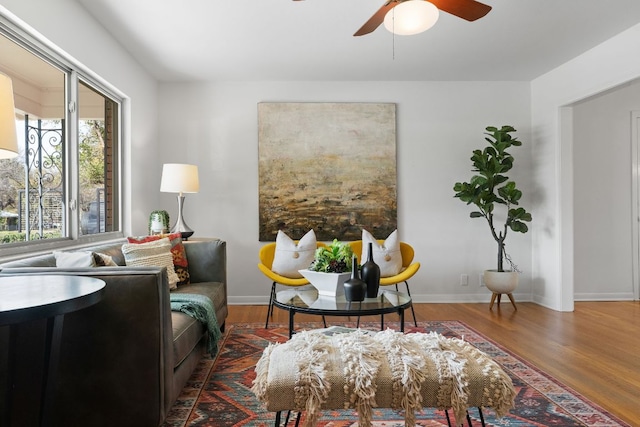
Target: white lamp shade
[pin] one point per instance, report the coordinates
(179, 178)
(411, 17)
(8, 136)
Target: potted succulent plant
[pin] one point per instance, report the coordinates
(334, 258)
(330, 268)
(490, 189)
(158, 222)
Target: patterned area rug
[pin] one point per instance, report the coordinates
(219, 392)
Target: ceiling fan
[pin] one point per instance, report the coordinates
(469, 10)
(465, 9)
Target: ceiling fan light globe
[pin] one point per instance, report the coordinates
(411, 17)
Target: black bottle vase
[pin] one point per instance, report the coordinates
(371, 274)
(354, 288)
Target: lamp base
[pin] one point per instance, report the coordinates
(181, 226)
(184, 234)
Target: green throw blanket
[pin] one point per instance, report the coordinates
(200, 308)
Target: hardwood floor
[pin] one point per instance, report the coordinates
(594, 350)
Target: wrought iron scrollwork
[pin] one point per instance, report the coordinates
(44, 178)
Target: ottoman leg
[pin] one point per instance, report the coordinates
(286, 420)
(446, 412)
(481, 416)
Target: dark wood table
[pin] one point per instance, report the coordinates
(307, 300)
(24, 298)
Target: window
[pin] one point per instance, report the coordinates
(64, 185)
(96, 153)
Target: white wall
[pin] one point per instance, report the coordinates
(602, 194)
(66, 24)
(215, 126)
(438, 125)
(606, 66)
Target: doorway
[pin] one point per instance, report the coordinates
(635, 200)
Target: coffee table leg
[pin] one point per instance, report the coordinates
(291, 314)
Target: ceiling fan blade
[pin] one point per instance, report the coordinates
(377, 18)
(465, 9)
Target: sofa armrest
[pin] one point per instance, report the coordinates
(207, 260)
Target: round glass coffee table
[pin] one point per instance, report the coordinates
(306, 300)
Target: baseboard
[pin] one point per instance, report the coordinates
(419, 298)
(463, 298)
(249, 300)
(598, 296)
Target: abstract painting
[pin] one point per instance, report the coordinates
(330, 167)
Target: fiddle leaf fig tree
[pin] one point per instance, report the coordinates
(491, 188)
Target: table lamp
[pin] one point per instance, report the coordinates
(180, 178)
(8, 135)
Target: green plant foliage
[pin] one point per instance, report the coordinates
(15, 236)
(162, 215)
(491, 187)
(334, 258)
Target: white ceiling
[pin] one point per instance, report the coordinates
(186, 40)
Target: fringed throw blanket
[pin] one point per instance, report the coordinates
(201, 308)
(363, 370)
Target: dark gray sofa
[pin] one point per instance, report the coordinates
(124, 360)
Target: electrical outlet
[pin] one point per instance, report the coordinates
(464, 280)
(481, 280)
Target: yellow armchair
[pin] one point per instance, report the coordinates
(266, 255)
(409, 268)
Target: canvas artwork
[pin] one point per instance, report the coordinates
(330, 167)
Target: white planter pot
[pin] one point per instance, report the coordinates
(327, 284)
(501, 282)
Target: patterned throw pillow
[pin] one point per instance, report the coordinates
(156, 253)
(289, 257)
(180, 263)
(387, 256)
(103, 260)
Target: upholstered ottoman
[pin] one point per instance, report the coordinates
(362, 370)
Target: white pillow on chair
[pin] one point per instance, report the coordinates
(387, 256)
(289, 257)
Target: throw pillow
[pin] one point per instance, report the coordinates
(80, 259)
(180, 263)
(291, 257)
(156, 253)
(387, 256)
(103, 260)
